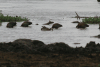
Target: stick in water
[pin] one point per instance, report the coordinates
(77, 16)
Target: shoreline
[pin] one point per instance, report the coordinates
(34, 53)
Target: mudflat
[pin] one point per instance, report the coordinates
(11, 59)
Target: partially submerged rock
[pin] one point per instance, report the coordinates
(26, 24)
(82, 25)
(50, 22)
(98, 36)
(75, 22)
(76, 43)
(56, 25)
(44, 28)
(11, 24)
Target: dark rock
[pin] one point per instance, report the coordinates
(98, 36)
(22, 46)
(79, 50)
(50, 22)
(92, 47)
(56, 25)
(23, 41)
(11, 24)
(61, 44)
(82, 25)
(34, 46)
(45, 28)
(38, 47)
(29, 43)
(37, 43)
(91, 44)
(26, 24)
(44, 49)
(75, 22)
(59, 47)
(25, 45)
(98, 45)
(3, 47)
(76, 43)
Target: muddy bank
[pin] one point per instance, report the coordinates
(35, 46)
(35, 53)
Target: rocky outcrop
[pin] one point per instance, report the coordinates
(59, 48)
(34, 46)
(22, 45)
(31, 45)
(92, 47)
(91, 44)
(11, 24)
(28, 46)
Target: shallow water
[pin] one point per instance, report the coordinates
(59, 11)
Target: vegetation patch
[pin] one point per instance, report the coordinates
(91, 20)
(11, 18)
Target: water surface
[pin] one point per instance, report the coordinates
(59, 11)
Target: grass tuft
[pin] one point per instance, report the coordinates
(11, 18)
(91, 20)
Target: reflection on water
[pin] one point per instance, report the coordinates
(59, 11)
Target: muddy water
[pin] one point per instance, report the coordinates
(59, 11)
